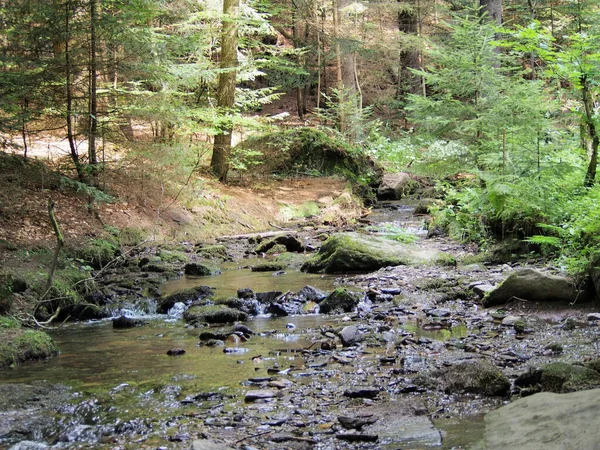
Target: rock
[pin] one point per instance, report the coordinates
(593, 317)
(482, 289)
(438, 312)
(291, 244)
(339, 301)
(351, 252)
(268, 297)
(187, 296)
(311, 294)
(268, 266)
(28, 445)
(213, 252)
(534, 285)
(472, 376)
(561, 377)
(176, 352)
(413, 363)
(350, 336)
(394, 186)
(204, 444)
(126, 322)
(545, 421)
(357, 437)
(361, 392)
(510, 321)
(196, 269)
(245, 293)
(261, 395)
(213, 314)
(241, 328)
(356, 423)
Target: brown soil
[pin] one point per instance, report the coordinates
(147, 203)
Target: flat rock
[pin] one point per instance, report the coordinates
(593, 317)
(533, 285)
(260, 394)
(548, 421)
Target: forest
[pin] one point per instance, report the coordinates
(425, 168)
(505, 92)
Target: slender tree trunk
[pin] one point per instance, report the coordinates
(592, 132)
(226, 90)
(297, 44)
(93, 90)
(69, 95)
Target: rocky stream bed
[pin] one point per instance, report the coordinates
(402, 356)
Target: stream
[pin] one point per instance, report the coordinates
(119, 389)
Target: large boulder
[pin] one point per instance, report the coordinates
(289, 241)
(186, 296)
(471, 376)
(534, 285)
(394, 186)
(548, 421)
(563, 377)
(351, 252)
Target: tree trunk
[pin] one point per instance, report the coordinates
(226, 90)
(69, 95)
(408, 23)
(93, 90)
(494, 10)
(592, 133)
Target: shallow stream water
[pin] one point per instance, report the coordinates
(130, 372)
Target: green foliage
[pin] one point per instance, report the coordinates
(393, 232)
(91, 192)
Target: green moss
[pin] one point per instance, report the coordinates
(562, 377)
(343, 253)
(131, 236)
(96, 252)
(276, 249)
(339, 301)
(18, 345)
(268, 266)
(213, 252)
(303, 211)
(9, 322)
(170, 256)
(446, 260)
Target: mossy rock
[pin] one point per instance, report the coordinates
(351, 252)
(172, 257)
(186, 296)
(130, 236)
(307, 150)
(197, 269)
(285, 242)
(340, 301)
(213, 252)
(18, 345)
(476, 376)
(563, 377)
(276, 249)
(213, 314)
(268, 266)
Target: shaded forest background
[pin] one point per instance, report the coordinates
(496, 102)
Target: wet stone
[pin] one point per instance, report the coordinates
(593, 317)
(357, 437)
